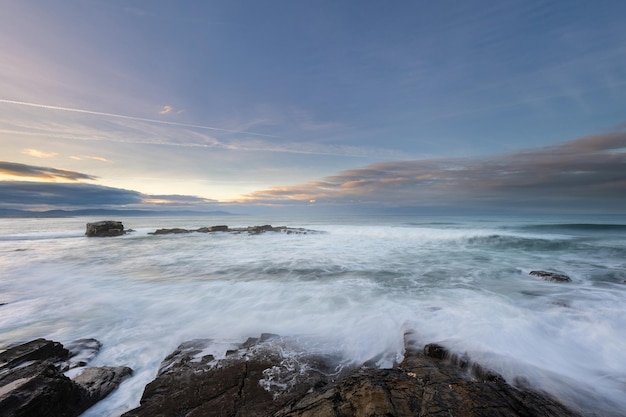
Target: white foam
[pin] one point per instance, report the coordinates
(353, 291)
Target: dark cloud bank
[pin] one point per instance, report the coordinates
(25, 195)
(587, 175)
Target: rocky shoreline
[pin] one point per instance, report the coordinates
(266, 376)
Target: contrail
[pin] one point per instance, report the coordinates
(141, 119)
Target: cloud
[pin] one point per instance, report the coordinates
(64, 195)
(166, 110)
(176, 199)
(36, 195)
(39, 154)
(590, 171)
(52, 174)
(125, 117)
(118, 128)
(83, 157)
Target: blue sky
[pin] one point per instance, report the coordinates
(408, 103)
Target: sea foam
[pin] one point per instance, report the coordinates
(352, 291)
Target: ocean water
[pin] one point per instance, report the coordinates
(352, 290)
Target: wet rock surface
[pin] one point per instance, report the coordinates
(32, 382)
(550, 276)
(258, 379)
(252, 230)
(105, 228)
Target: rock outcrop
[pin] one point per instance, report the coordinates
(550, 276)
(261, 378)
(105, 228)
(32, 383)
(253, 230)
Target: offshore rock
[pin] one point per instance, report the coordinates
(258, 379)
(32, 382)
(252, 230)
(175, 231)
(550, 276)
(105, 228)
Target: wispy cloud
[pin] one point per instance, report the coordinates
(166, 110)
(39, 154)
(176, 200)
(141, 131)
(13, 169)
(136, 130)
(121, 116)
(94, 158)
(588, 170)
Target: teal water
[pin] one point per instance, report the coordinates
(352, 290)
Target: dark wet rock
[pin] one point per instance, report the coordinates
(32, 382)
(211, 229)
(244, 383)
(38, 389)
(175, 231)
(550, 276)
(38, 349)
(98, 382)
(252, 230)
(258, 379)
(81, 352)
(105, 228)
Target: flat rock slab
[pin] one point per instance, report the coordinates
(258, 379)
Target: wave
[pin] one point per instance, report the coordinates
(517, 242)
(577, 227)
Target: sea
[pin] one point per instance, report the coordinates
(351, 289)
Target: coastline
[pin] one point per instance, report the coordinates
(264, 377)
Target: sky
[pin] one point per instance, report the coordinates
(167, 104)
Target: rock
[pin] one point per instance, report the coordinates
(82, 351)
(175, 230)
(32, 382)
(243, 383)
(105, 228)
(38, 349)
(550, 276)
(39, 389)
(253, 230)
(98, 382)
(261, 378)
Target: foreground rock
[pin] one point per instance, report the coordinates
(252, 230)
(261, 378)
(32, 382)
(550, 276)
(105, 228)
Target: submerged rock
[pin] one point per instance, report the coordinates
(105, 228)
(550, 276)
(32, 382)
(259, 379)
